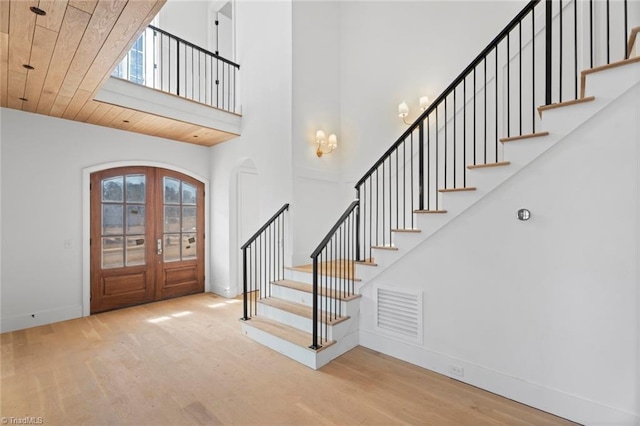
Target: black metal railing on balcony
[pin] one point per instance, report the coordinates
(263, 262)
(333, 273)
(535, 60)
(168, 63)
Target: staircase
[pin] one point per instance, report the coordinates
(305, 312)
(284, 320)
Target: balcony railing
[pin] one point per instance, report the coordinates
(162, 61)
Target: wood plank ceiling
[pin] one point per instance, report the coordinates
(54, 64)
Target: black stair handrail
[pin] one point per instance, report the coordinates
(514, 22)
(263, 262)
(188, 43)
(335, 274)
(265, 226)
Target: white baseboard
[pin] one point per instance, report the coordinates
(229, 293)
(35, 319)
(543, 398)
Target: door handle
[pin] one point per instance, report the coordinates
(159, 245)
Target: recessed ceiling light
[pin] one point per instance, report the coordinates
(23, 99)
(29, 67)
(37, 11)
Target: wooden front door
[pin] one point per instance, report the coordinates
(147, 236)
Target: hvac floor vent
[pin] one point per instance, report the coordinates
(399, 312)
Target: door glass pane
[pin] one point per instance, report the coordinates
(188, 219)
(171, 247)
(135, 188)
(112, 190)
(112, 252)
(188, 193)
(112, 219)
(135, 219)
(135, 250)
(171, 219)
(188, 246)
(171, 190)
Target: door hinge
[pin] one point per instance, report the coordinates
(90, 241)
(90, 186)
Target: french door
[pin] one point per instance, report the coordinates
(147, 236)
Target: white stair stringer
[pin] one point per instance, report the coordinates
(606, 86)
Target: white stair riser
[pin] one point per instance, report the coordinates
(304, 298)
(334, 332)
(610, 84)
(303, 355)
(303, 277)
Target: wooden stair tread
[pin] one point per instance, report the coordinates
(543, 108)
(429, 211)
(308, 288)
(286, 332)
(632, 40)
(409, 230)
(584, 73)
(525, 136)
(468, 188)
(384, 247)
(487, 165)
(333, 267)
(300, 310)
(365, 263)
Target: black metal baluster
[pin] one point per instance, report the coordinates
(533, 73)
(508, 84)
(608, 33)
(411, 179)
(420, 165)
(575, 48)
(561, 58)
(475, 148)
(464, 132)
(446, 122)
(520, 76)
(548, 52)
(397, 193)
(455, 158)
(428, 168)
(178, 68)
(626, 29)
(485, 110)
(404, 182)
(437, 158)
(591, 32)
(377, 205)
(496, 106)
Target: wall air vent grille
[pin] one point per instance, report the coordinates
(399, 313)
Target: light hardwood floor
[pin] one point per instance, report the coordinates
(184, 361)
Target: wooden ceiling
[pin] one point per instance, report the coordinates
(69, 53)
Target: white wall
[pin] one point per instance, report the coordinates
(264, 51)
(316, 106)
(187, 19)
(393, 51)
(42, 206)
(546, 311)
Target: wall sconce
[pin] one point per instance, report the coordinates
(524, 214)
(403, 108)
(321, 141)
